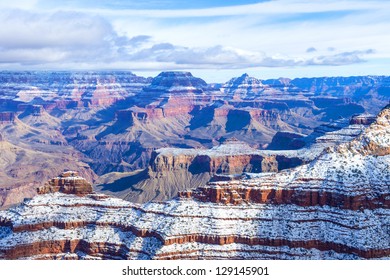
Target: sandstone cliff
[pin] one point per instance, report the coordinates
(172, 170)
(68, 182)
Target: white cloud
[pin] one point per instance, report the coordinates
(275, 34)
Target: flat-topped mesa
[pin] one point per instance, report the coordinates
(68, 182)
(177, 82)
(232, 157)
(31, 109)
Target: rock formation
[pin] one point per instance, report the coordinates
(336, 207)
(243, 87)
(68, 182)
(285, 140)
(173, 170)
(364, 119)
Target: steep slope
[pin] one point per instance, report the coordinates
(336, 207)
(32, 155)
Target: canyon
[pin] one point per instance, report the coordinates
(111, 126)
(335, 206)
(110, 165)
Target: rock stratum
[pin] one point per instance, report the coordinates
(335, 207)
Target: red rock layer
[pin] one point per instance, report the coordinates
(105, 249)
(228, 164)
(231, 194)
(69, 183)
(178, 105)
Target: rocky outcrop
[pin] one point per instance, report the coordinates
(68, 182)
(375, 141)
(143, 115)
(35, 110)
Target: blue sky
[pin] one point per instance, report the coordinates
(215, 40)
(156, 4)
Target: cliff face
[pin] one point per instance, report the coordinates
(68, 182)
(336, 207)
(174, 170)
(220, 159)
(284, 140)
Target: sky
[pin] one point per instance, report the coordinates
(215, 40)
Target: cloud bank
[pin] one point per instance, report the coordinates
(271, 34)
(72, 37)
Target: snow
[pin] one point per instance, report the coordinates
(360, 229)
(344, 169)
(237, 149)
